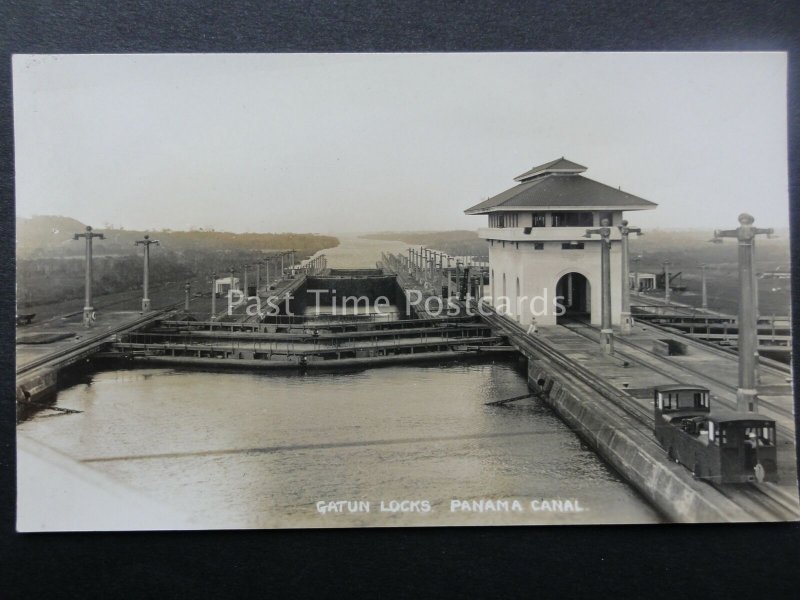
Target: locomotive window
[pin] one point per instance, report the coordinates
(762, 436)
(723, 435)
(769, 434)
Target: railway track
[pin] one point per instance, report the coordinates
(762, 501)
(774, 366)
(658, 363)
(102, 304)
(766, 501)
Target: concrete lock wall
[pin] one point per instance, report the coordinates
(632, 451)
(37, 387)
(539, 272)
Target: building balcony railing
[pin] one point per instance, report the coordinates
(540, 234)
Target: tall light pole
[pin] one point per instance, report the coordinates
(213, 296)
(625, 321)
(746, 394)
(146, 242)
(246, 291)
(606, 333)
(187, 289)
(703, 290)
(666, 282)
(88, 309)
(458, 280)
(259, 262)
(636, 287)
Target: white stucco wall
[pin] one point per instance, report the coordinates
(539, 271)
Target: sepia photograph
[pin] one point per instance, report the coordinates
(339, 290)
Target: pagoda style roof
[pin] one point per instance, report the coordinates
(559, 185)
(559, 165)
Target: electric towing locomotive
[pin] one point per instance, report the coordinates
(720, 446)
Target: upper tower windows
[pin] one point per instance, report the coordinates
(572, 219)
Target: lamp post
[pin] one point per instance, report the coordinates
(187, 289)
(245, 290)
(606, 333)
(703, 290)
(213, 296)
(258, 274)
(88, 309)
(146, 242)
(626, 322)
(458, 280)
(746, 394)
(666, 282)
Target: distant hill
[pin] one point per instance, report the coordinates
(52, 236)
(50, 263)
(46, 231)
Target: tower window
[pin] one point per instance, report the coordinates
(538, 245)
(572, 219)
(538, 219)
(572, 246)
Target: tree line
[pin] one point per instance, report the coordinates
(50, 263)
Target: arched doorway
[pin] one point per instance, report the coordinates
(576, 293)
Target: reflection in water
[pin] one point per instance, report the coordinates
(260, 450)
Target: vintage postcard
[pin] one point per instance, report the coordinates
(375, 290)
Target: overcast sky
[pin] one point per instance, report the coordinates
(337, 142)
